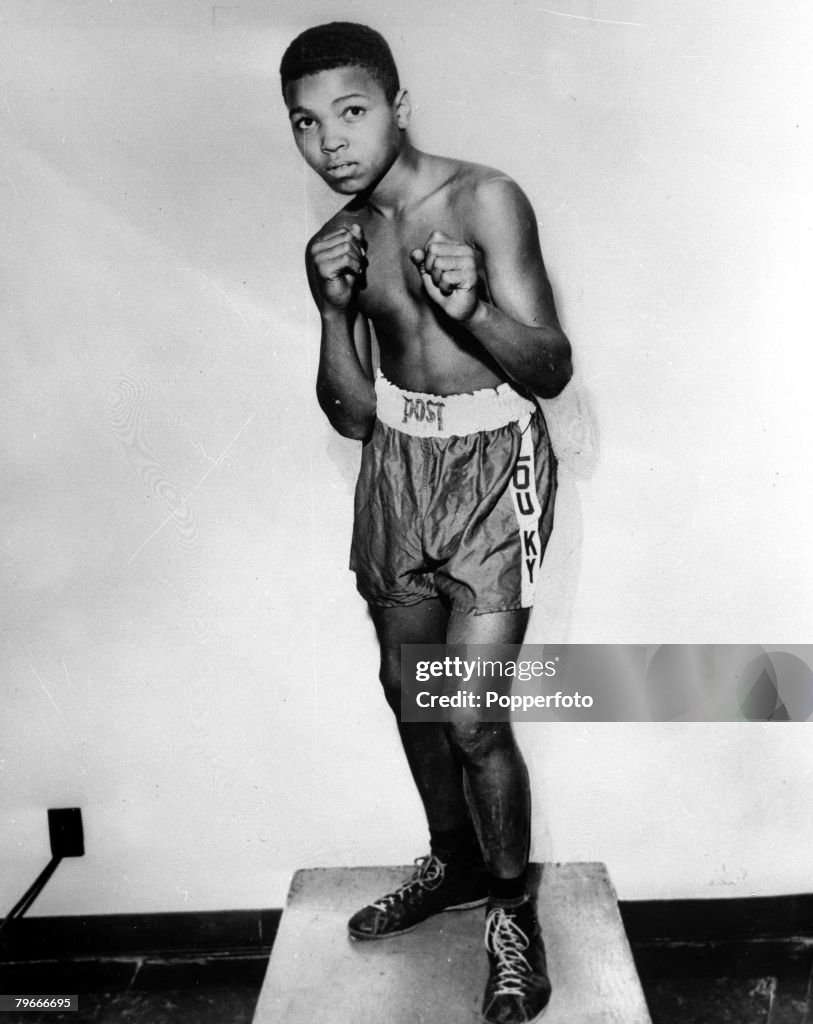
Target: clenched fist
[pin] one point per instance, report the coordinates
(338, 261)
(450, 274)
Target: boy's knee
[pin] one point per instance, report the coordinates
(390, 677)
(475, 741)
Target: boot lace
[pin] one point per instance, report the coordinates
(506, 941)
(429, 874)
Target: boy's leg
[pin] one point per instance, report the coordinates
(435, 768)
(518, 988)
(495, 769)
(453, 876)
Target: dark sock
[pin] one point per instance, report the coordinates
(456, 844)
(509, 890)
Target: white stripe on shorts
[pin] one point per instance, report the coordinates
(526, 507)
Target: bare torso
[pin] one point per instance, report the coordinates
(421, 349)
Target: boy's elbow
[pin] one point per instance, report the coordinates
(356, 430)
(557, 374)
(355, 426)
(559, 380)
(358, 433)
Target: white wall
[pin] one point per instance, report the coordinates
(184, 655)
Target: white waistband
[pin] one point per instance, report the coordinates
(424, 415)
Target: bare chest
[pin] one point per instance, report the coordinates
(392, 284)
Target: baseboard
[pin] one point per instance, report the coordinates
(109, 936)
(743, 919)
(783, 920)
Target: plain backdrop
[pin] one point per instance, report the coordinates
(184, 655)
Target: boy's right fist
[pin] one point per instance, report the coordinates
(338, 263)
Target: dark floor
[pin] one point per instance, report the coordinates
(744, 983)
(727, 983)
(220, 989)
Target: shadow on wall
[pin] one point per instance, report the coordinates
(573, 427)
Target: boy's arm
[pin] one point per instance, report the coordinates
(344, 388)
(518, 325)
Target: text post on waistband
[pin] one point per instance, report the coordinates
(606, 683)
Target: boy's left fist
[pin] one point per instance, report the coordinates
(449, 271)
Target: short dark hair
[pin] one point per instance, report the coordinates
(341, 44)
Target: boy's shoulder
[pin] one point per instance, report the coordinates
(486, 197)
(469, 177)
(342, 218)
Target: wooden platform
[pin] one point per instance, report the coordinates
(436, 974)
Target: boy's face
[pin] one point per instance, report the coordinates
(345, 128)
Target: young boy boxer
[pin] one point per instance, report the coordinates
(442, 258)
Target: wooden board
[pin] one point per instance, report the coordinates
(436, 974)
